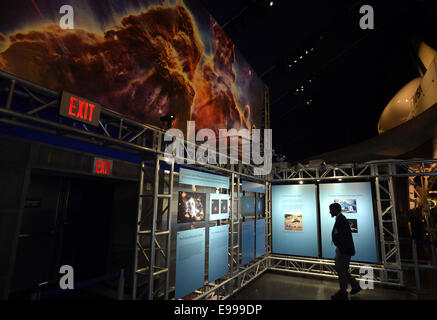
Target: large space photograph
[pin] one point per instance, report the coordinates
(191, 207)
(143, 59)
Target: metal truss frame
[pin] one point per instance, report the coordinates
(326, 269)
(268, 217)
(383, 173)
(33, 107)
(38, 111)
(231, 285)
(235, 221)
(156, 262)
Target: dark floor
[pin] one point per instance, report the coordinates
(274, 286)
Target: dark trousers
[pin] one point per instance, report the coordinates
(342, 268)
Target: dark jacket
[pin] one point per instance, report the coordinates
(342, 236)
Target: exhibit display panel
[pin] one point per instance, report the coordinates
(253, 186)
(356, 202)
(260, 236)
(190, 261)
(248, 205)
(220, 206)
(294, 220)
(260, 205)
(199, 178)
(218, 252)
(196, 205)
(247, 242)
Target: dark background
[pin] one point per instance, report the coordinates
(354, 73)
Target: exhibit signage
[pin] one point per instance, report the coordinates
(79, 109)
(190, 261)
(260, 236)
(248, 242)
(102, 167)
(218, 252)
(253, 187)
(356, 203)
(198, 178)
(294, 220)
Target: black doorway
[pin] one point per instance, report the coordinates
(87, 226)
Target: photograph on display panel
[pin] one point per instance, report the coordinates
(224, 206)
(293, 221)
(353, 225)
(191, 207)
(347, 206)
(215, 209)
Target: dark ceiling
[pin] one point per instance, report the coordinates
(348, 77)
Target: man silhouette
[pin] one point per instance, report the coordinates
(342, 239)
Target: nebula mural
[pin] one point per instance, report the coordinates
(143, 59)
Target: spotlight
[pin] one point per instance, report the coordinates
(340, 179)
(300, 182)
(271, 3)
(167, 120)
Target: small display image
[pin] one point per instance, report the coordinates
(215, 206)
(353, 224)
(224, 206)
(293, 221)
(191, 207)
(347, 206)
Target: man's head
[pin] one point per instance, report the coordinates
(334, 209)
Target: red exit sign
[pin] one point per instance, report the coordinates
(102, 167)
(79, 109)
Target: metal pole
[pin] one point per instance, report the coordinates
(167, 276)
(152, 235)
(392, 171)
(374, 169)
(239, 221)
(137, 238)
(232, 222)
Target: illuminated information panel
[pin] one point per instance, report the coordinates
(294, 220)
(190, 261)
(218, 252)
(356, 203)
(199, 178)
(248, 242)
